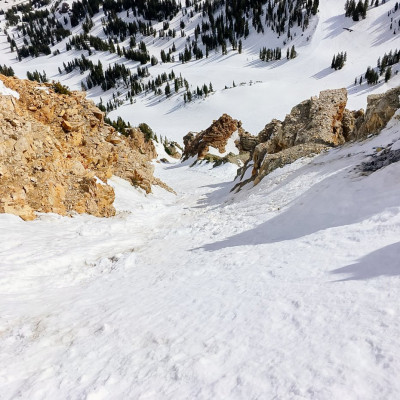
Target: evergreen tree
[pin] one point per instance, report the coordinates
(167, 90)
(388, 74)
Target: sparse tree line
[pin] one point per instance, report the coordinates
(393, 22)
(383, 69)
(7, 71)
(339, 60)
(118, 75)
(41, 30)
(37, 76)
(356, 10)
(270, 54)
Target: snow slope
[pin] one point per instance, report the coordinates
(288, 290)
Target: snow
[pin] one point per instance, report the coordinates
(7, 92)
(286, 290)
(262, 91)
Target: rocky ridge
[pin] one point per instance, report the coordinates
(57, 153)
(311, 127)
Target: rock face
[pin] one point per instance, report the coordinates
(380, 109)
(56, 153)
(313, 126)
(217, 136)
(318, 120)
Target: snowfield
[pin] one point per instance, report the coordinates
(287, 290)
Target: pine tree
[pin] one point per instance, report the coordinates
(167, 90)
(388, 74)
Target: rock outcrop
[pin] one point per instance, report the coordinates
(217, 136)
(56, 154)
(380, 109)
(317, 120)
(313, 126)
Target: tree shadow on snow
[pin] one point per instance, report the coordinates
(323, 73)
(339, 25)
(382, 262)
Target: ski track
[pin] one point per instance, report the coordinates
(275, 292)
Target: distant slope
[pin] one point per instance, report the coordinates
(247, 88)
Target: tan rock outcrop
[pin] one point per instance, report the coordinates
(217, 136)
(56, 154)
(317, 120)
(380, 109)
(314, 125)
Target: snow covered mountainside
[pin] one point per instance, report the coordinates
(244, 86)
(284, 290)
(287, 290)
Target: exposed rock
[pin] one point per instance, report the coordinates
(247, 142)
(380, 109)
(271, 130)
(318, 120)
(55, 150)
(316, 124)
(310, 127)
(217, 136)
(173, 150)
(383, 159)
(351, 119)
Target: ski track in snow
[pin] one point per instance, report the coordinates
(288, 290)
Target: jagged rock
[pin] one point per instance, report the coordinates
(217, 136)
(247, 142)
(317, 120)
(55, 150)
(310, 127)
(138, 140)
(314, 125)
(271, 130)
(383, 159)
(380, 109)
(351, 119)
(66, 126)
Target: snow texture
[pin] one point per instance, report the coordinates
(5, 91)
(288, 290)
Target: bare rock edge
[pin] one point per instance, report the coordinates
(56, 154)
